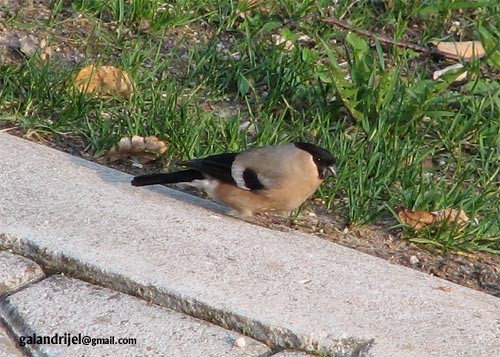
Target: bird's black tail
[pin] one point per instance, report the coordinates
(172, 177)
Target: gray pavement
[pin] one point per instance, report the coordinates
(287, 289)
(61, 305)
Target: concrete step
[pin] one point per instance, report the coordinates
(16, 272)
(80, 319)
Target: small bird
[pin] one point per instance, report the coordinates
(268, 178)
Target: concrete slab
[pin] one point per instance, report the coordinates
(8, 346)
(72, 308)
(291, 289)
(16, 272)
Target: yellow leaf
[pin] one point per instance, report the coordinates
(420, 219)
(466, 49)
(452, 216)
(105, 81)
(416, 219)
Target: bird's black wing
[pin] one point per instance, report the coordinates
(216, 166)
(166, 178)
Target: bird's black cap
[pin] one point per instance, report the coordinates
(322, 158)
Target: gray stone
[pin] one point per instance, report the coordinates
(16, 272)
(8, 346)
(414, 260)
(61, 305)
(291, 289)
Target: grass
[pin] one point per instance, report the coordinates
(201, 69)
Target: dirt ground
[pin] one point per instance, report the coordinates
(479, 271)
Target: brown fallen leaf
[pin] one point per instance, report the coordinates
(416, 219)
(466, 49)
(105, 81)
(137, 148)
(452, 216)
(427, 162)
(420, 219)
(46, 52)
(37, 136)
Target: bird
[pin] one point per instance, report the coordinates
(256, 180)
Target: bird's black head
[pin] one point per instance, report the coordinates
(322, 158)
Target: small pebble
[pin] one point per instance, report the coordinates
(304, 38)
(414, 260)
(240, 342)
(28, 45)
(247, 126)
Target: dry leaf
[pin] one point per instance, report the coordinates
(452, 216)
(467, 49)
(105, 81)
(46, 53)
(420, 219)
(136, 148)
(34, 135)
(416, 219)
(427, 162)
(440, 73)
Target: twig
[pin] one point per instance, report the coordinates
(388, 41)
(348, 9)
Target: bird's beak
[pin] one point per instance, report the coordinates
(333, 170)
(330, 170)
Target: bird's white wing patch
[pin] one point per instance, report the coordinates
(237, 171)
